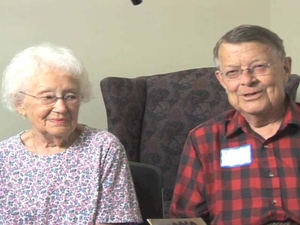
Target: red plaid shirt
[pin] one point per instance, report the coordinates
(266, 189)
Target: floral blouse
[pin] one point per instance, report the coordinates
(89, 183)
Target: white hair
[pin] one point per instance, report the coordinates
(37, 59)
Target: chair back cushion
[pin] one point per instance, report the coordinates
(124, 100)
(176, 103)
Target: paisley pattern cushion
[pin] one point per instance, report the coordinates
(152, 115)
(125, 102)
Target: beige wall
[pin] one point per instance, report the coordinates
(285, 21)
(115, 38)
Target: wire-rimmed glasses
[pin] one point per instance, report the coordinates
(50, 99)
(256, 70)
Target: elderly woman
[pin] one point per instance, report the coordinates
(59, 171)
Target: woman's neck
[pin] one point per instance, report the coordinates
(41, 144)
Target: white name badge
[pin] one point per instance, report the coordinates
(234, 157)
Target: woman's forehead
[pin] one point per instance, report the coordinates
(54, 79)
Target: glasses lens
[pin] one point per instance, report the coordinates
(72, 98)
(261, 69)
(232, 74)
(48, 99)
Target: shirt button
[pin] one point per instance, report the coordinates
(274, 202)
(271, 174)
(265, 146)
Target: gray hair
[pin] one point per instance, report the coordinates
(250, 33)
(36, 59)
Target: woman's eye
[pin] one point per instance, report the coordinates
(48, 97)
(70, 97)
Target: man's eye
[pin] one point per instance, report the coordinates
(232, 73)
(260, 66)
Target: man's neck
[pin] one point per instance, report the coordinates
(266, 125)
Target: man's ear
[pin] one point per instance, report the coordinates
(287, 67)
(220, 78)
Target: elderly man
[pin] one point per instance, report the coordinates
(242, 167)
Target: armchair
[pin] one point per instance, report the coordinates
(152, 115)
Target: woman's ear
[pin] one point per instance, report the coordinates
(19, 105)
(21, 110)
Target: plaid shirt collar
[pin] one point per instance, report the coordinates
(237, 123)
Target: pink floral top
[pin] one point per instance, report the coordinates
(89, 183)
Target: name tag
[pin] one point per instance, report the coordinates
(234, 157)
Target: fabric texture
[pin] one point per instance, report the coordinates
(216, 179)
(89, 183)
(152, 115)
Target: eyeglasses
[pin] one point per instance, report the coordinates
(257, 70)
(49, 99)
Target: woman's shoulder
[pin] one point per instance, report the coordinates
(12, 141)
(11, 146)
(98, 135)
(92, 131)
(95, 140)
